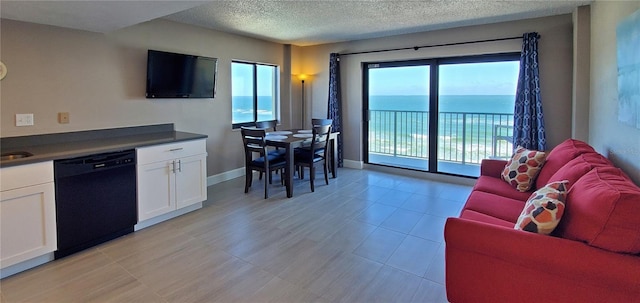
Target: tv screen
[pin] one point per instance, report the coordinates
(171, 75)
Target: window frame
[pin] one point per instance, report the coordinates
(276, 92)
(434, 64)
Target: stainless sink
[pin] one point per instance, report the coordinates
(15, 155)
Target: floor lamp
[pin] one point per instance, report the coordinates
(302, 105)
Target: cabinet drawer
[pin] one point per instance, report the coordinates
(171, 151)
(26, 175)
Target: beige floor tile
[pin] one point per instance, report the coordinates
(96, 286)
(430, 292)
(280, 291)
(402, 220)
(414, 255)
(376, 213)
(436, 270)
(380, 245)
(52, 275)
(350, 236)
(389, 285)
(393, 198)
(430, 227)
(343, 277)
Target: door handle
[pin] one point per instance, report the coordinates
(173, 166)
(179, 166)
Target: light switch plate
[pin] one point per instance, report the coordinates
(63, 117)
(24, 119)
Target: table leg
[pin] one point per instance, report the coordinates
(288, 171)
(334, 152)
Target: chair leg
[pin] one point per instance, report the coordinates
(270, 177)
(266, 187)
(312, 173)
(248, 179)
(260, 177)
(326, 175)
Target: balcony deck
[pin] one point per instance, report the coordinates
(468, 169)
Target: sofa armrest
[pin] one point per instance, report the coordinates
(541, 256)
(492, 167)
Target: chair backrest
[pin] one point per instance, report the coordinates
(320, 137)
(320, 122)
(254, 142)
(267, 124)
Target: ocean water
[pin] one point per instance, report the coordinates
(243, 109)
(497, 104)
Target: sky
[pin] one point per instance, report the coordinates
(487, 78)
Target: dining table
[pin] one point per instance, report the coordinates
(289, 140)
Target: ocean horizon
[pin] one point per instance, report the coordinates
(496, 104)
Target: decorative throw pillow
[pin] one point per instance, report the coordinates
(543, 210)
(523, 168)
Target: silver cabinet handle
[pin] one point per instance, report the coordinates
(179, 165)
(176, 149)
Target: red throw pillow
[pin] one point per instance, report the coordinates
(544, 209)
(603, 210)
(523, 168)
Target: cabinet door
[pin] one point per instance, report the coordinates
(156, 190)
(27, 223)
(191, 180)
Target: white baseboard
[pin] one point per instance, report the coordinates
(225, 176)
(167, 216)
(24, 265)
(353, 164)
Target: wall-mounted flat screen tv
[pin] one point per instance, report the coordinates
(171, 75)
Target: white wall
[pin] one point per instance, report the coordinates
(555, 57)
(100, 80)
(619, 142)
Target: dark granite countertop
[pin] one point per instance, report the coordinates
(77, 144)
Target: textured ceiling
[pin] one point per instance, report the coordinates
(295, 22)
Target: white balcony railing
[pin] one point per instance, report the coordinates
(464, 138)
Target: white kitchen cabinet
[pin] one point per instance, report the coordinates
(170, 177)
(27, 213)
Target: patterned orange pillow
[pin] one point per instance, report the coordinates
(543, 210)
(523, 168)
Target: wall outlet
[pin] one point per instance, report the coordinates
(63, 118)
(24, 119)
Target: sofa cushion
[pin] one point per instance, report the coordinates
(480, 217)
(576, 168)
(544, 209)
(559, 156)
(494, 205)
(499, 187)
(523, 168)
(603, 210)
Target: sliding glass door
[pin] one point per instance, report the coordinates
(398, 115)
(453, 111)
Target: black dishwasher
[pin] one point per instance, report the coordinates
(95, 199)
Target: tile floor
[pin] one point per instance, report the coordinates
(367, 237)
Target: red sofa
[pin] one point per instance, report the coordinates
(592, 256)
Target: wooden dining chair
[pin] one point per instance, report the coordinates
(267, 124)
(255, 143)
(315, 122)
(314, 153)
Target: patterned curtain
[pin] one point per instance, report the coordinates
(528, 122)
(334, 110)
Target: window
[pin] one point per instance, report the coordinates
(452, 111)
(254, 93)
